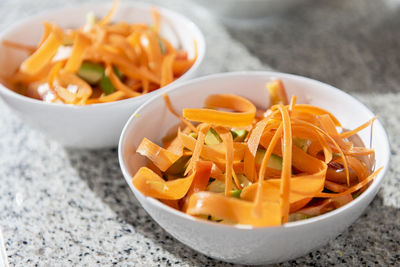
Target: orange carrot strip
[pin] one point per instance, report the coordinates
(29, 49)
(201, 134)
(353, 188)
(53, 73)
(118, 95)
(161, 157)
(65, 95)
(316, 111)
(303, 186)
(329, 126)
(75, 60)
(167, 75)
(359, 128)
(47, 29)
(118, 84)
(252, 144)
(330, 139)
(156, 18)
(227, 140)
(215, 153)
(106, 20)
(66, 79)
(42, 56)
(286, 164)
(261, 175)
(152, 185)
(171, 109)
(243, 117)
(200, 181)
(334, 187)
(233, 209)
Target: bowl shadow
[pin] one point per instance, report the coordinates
(372, 239)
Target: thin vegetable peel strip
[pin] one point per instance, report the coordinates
(244, 117)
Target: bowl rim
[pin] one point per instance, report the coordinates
(225, 75)
(201, 51)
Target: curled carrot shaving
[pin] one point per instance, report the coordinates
(153, 185)
(161, 157)
(118, 84)
(287, 164)
(233, 210)
(244, 115)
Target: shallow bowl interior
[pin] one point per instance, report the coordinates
(242, 244)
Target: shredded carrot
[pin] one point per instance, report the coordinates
(244, 115)
(260, 173)
(75, 60)
(118, 84)
(171, 109)
(359, 128)
(110, 14)
(287, 164)
(161, 157)
(27, 48)
(143, 60)
(43, 55)
(227, 139)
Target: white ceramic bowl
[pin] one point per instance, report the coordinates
(238, 244)
(98, 125)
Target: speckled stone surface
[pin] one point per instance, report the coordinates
(63, 207)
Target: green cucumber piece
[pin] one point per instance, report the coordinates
(212, 138)
(239, 135)
(91, 72)
(194, 135)
(217, 187)
(244, 182)
(179, 166)
(117, 72)
(236, 193)
(275, 162)
(106, 85)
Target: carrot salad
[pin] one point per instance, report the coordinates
(242, 165)
(100, 62)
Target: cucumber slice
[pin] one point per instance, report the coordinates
(106, 85)
(179, 166)
(212, 138)
(275, 162)
(243, 180)
(194, 135)
(117, 72)
(217, 186)
(239, 135)
(236, 193)
(91, 72)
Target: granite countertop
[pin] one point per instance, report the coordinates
(68, 207)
